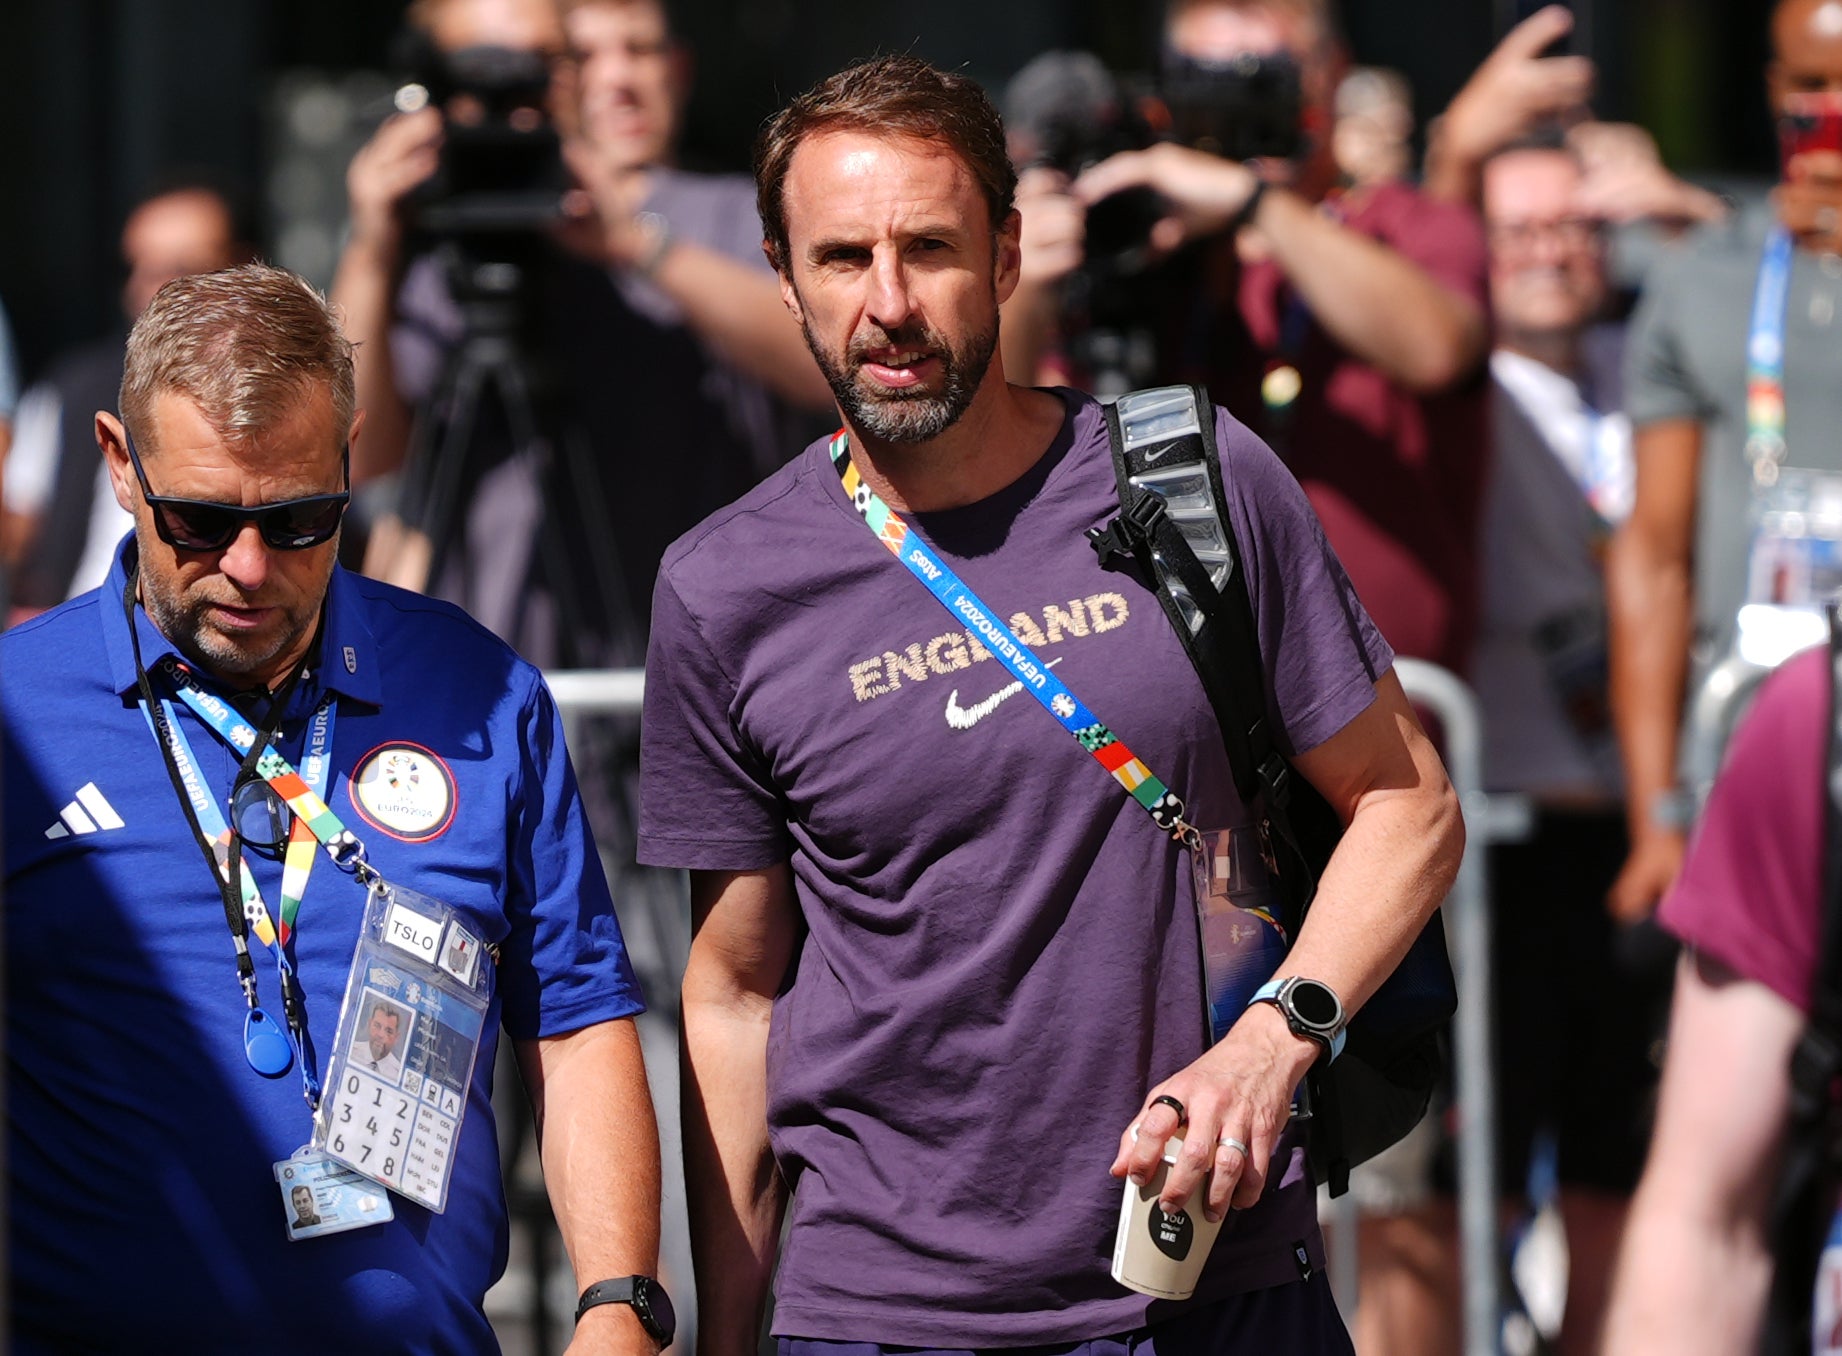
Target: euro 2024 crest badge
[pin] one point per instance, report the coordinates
(405, 790)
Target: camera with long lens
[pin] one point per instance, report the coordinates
(1249, 107)
(1068, 112)
(501, 168)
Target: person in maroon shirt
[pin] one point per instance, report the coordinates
(1346, 328)
(1696, 1266)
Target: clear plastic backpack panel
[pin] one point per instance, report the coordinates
(1184, 489)
(1157, 416)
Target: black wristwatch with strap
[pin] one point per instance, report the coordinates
(647, 1298)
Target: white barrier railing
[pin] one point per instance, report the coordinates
(1487, 818)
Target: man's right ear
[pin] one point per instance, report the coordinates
(112, 438)
(789, 296)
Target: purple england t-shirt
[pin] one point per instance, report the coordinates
(1001, 951)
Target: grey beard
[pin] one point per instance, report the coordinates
(901, 416)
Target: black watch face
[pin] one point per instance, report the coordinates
(1315, 1005)
(654, 1307)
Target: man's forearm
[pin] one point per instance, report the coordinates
(600, 1147)
(1382, 307)
(1397, 858)
(1687, 1285)
(364, 290)
(735, 1192)
(737, 310)
(1650, 598)
(1452, 170)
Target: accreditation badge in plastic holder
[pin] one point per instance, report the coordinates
(1794, 565)
(409, 1033)
(1237, 913)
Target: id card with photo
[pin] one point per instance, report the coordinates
(1794, 565)
(320, 1196)
(408, 1038)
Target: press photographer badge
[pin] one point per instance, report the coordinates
(409, 1034)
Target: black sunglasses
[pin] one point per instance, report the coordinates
(206, 525)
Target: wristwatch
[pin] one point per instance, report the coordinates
(647, 1297)
(1312, 1009)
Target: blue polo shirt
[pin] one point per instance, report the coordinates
(144, 1213)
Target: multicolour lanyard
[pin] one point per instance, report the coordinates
(268, 1052)
(1163, 805)
(1765, 417)
(304, 793)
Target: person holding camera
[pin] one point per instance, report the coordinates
(652, 324)
(1347, 329)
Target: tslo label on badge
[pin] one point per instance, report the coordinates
(408, 930)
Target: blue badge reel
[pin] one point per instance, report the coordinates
(409, 1034)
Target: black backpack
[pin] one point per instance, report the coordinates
(1810, 1170)
(1173, 530)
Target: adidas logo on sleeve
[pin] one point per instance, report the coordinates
(90, 812)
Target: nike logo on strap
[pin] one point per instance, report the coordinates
(965, 717)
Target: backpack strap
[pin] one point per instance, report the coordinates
(1801, 1208)
(1174, 525)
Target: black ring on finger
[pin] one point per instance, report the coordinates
(1164, 1098)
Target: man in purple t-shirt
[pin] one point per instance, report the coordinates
(1696, 1267)
(942, 961)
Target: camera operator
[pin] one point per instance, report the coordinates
(1346, 328)
(653, 324)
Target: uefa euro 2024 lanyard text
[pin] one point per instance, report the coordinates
(416, 995)
(1237, 906)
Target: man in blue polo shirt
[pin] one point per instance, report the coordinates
(166, 1015)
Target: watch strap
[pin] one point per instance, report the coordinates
(625, 1290)
(1272, 991)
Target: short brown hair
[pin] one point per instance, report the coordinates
(244, 344)
(892, 96)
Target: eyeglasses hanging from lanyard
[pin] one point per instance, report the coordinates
(268, 1051)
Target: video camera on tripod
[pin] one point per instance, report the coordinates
(489, 210)
(501, 170)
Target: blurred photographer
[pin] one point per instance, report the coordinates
(641, 319)
(1346, 327)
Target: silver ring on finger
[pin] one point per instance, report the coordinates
(1230, 1142)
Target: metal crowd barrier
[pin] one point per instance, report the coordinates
(1488, 819)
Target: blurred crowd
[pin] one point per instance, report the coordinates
(1543, 472)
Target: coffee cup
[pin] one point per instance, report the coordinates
(1159, 1254)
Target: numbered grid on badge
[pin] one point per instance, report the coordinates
(370, 1126)
(402, 1139)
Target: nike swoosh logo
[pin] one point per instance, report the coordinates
(965, 717)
